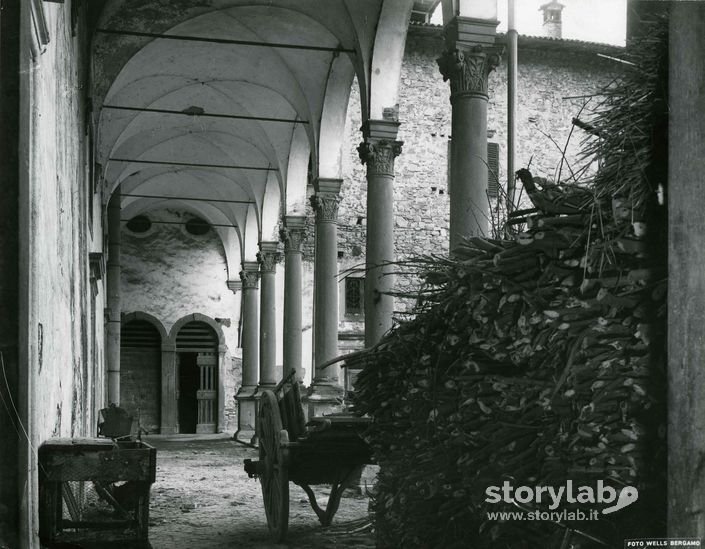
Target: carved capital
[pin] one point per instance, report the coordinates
(268, 256)
(268, 261)
(326, 207)
(250, 279)
(468, 69)
(379, 155)
(292, 239)
(293, 233)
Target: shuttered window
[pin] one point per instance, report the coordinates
(139, 334)
(354, 295)
(196, 337)
(493, 169)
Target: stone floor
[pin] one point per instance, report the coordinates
(203, 499)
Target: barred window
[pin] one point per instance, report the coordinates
(354, 295)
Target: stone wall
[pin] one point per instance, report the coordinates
(554, 78)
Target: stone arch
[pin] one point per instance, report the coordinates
(387, 58)
(222, 348)
(198, 317)
(139, 315)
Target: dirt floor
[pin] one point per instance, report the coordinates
(203, 499)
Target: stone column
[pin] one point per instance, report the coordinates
(686, 262)
(378, 151)
(267, 259)
(292, 235)
(112, 332)
(246, 401)
(325, 389)
(234, 286)
(468, 69)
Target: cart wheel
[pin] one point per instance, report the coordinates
(275, 477)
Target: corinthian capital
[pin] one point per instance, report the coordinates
(293, 233)
(249, 279)
(326, 207)
(268, 261)
(292, 239)
(468, 69)
(268, 256)
(379, 155)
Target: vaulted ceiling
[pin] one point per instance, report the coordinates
(216, 106)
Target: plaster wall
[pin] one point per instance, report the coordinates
(60, 308)
(65, 310)
(169, 273)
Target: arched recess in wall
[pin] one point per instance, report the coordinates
(141, 340)
(199, 368)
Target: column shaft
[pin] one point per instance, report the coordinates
(267, 258)
(250, 328)
(468, 70)
(323, 395)
(170, 418)
(112, 332)
(326, 287)
(469, 203)
(292, 236)
(246, 402)
(379, 156)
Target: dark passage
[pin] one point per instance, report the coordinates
(188, 385)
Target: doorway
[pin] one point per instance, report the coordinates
(188, 387)
(197, 364)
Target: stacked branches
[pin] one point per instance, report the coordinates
(536, 359)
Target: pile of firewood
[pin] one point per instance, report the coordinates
(535, 359)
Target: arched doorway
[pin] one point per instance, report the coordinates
(197, 378)
(140, 373)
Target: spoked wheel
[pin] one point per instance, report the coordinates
(275, 476)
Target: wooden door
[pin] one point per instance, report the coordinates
(207, 392)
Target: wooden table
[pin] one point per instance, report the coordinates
(94, 488)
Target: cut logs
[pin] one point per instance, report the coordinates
(532, 360)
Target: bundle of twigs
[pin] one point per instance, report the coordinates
(536, 359)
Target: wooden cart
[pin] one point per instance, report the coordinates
(326, 450)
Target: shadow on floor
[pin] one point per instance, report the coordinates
(120, 544)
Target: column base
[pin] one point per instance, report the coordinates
(323, 398)
(246, 414)
(262, 386)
